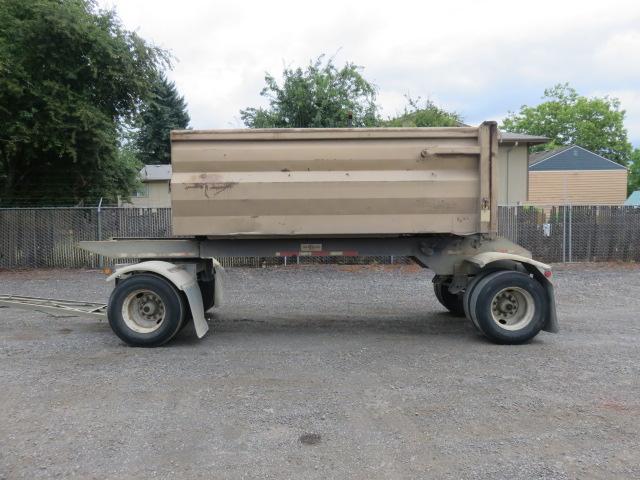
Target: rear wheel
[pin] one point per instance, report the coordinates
(508, 306)
(466, 300)
(451, 301)
(146, 310)
(207, 288)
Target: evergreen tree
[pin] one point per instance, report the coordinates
(166, 110)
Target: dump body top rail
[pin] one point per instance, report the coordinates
(293, 182)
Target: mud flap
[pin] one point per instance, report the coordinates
(194, 298)
(219, 287)
(552, 323)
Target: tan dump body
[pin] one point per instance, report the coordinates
(350, 182)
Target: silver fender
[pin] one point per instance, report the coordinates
(485, 258)
(183, 280)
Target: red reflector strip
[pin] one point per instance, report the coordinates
(323, 253)
(548, 273)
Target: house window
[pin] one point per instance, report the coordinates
(142, 191)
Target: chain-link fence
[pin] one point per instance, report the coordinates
(578, 233)
(48, 237)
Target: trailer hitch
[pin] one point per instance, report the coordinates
(63, 308)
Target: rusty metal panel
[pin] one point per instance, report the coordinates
(331, 181)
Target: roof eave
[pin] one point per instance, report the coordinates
(530, 140)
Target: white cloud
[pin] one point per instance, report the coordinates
(470, 56)
(619, 56)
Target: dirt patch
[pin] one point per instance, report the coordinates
(310, 438)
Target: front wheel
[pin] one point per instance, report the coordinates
(146, 310)
(508, 306)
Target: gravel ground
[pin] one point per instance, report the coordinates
(324, 372)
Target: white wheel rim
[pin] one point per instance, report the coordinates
(512, 308)
(143, 311)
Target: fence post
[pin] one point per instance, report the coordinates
(570, 233)
(34, 216)
(564, 234)
(100, 258)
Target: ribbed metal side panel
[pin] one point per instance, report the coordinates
(253, 183)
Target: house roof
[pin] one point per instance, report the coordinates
(155, 173)
(539, 156)
(572, 157)
(509, 137)
(634, 199)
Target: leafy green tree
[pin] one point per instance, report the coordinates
(70, 77)
(567, 118)
(166, 110)
(427, 114)
(634, 171)
(321, 95)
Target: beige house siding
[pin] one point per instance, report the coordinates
(157, 196)
(594, 187)
(513, 167)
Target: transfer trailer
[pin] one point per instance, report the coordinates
(507, 295)
(425, 193)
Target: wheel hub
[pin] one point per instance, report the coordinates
(150, 307)
(512, 308)
(505, 305)
(143, 311)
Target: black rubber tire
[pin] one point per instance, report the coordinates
(207, 288)
(451, 301)
(482, 296)
(467, 296)
(175, 310)
(187, 318)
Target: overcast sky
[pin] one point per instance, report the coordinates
(480, 58)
